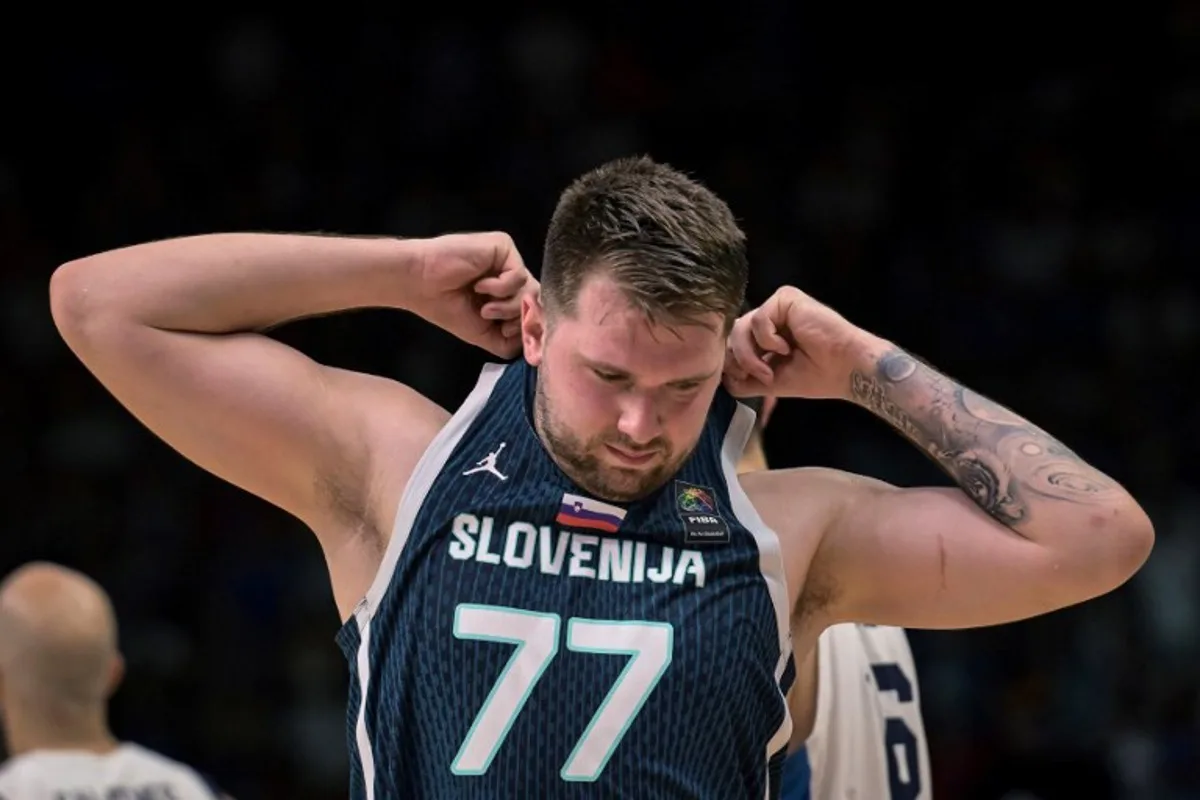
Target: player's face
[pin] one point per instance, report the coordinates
(621, 403)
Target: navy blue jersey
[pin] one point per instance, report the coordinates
(524, 639)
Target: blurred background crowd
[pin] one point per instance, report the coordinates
(1028, 228)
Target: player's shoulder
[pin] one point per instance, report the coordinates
(806, 484)
(23, 776)
(31, 775)
(18, 771)
(810, 480)
(9, 771)
(133, 752)
(807, 501)
(799, 498)
(137, 754)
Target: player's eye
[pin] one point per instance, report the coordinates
(608, 377)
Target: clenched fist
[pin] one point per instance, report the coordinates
(795, 346)
(471, 285)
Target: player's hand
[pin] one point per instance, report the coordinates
(793, 346)
(471, 285)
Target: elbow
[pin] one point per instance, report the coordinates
(82, 304)
(1119, 542)
(69, 299)
(1135, 541)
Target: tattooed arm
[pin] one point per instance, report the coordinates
(1031, 528)
(1011, 468)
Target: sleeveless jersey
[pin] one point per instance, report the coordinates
(868, 738)
(126, 773)
(524, 639)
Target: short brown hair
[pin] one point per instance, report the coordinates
(670, 242)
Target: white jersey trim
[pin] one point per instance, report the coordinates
(433, 460)
(424, 474)
(770, 561)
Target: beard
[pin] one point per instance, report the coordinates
(580, 459)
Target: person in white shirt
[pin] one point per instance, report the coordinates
(59, 664)
(856, 707)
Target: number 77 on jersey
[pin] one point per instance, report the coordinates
(535, 637)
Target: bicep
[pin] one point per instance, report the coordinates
(930, 558)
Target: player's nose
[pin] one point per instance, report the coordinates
(639, 421)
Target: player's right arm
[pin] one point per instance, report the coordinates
(174, 330)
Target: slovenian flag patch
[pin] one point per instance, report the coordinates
(584, 512)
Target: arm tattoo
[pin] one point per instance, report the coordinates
(1005, 463)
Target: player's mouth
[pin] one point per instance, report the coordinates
(632, 458)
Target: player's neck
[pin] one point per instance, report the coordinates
(88, 732)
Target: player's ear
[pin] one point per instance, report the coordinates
(533, 327)
(116, 674)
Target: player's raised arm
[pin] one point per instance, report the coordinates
(1032, 528)
(173, 330)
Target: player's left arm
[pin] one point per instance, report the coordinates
(1032, 527)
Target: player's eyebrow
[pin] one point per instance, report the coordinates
(613, 369)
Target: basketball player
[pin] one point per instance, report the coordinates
(59, 664)
(856, 707)
(562, 589)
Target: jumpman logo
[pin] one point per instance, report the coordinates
(488, 464)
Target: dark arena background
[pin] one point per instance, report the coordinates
(1012, 196)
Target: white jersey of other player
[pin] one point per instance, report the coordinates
(128, 772)
(868, 738)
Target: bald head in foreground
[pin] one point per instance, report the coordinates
(59, 665)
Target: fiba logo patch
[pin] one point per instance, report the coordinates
(697, 508)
